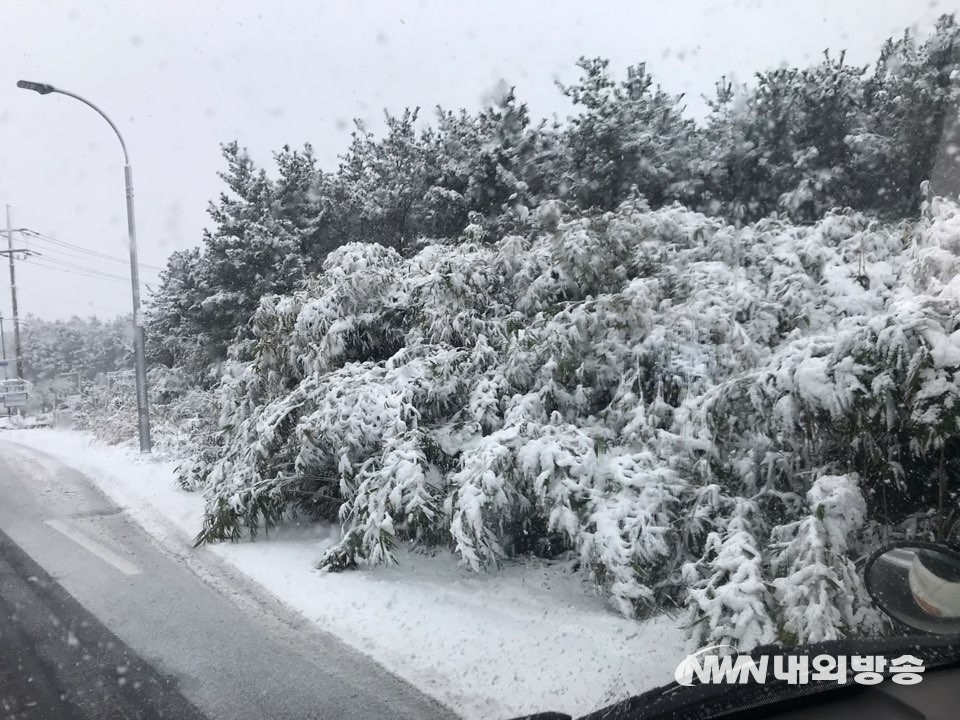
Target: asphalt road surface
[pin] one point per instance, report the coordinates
(97, 620)
(57, 661)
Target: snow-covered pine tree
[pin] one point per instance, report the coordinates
(206, 298)
(908, 122)
(819, 593)
(729, 598)
(627, 135)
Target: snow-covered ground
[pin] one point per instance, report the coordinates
(531, 637)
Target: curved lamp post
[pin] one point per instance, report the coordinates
(143, 414)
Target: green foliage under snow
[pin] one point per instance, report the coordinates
(700, 413)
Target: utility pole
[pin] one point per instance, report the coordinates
(13, 299)
(3, 346)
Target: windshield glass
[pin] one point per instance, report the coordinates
(469, 359)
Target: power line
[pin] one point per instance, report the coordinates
(68, 270)
(65, 263)
(78, 272)
(68, 253)
(82, 269)
(83, 272)
(77, 248)
(60, 262)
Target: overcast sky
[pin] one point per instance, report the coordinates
(181, 76)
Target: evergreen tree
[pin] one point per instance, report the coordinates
(496, 166)
(627, 135)
(381, 183)
(256, 248)
(908, 121)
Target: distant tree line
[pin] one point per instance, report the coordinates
(88, 346)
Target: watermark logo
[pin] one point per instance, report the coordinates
(704, 661)
(724, 665)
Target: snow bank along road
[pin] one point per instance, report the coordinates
(231, 650)
(531, 636)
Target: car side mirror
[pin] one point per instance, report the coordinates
(917, 584)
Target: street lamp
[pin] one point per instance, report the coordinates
(143, 413)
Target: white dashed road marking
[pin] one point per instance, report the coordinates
(88, 543)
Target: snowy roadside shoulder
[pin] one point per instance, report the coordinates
(529, 638)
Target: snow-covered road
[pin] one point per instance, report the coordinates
(531, 637)
(233, 649)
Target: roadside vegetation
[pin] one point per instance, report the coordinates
(711, 363)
